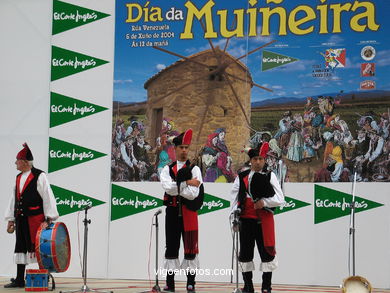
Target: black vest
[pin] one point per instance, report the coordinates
(183, 175)
(30, 202)
(260, 187)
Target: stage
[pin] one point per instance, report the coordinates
(132, 286)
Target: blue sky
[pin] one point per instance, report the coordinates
(134, 66)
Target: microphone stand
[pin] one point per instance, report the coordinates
(233, 248)
(156, 287)
(236, 230)
(352, 229)
(85, 287)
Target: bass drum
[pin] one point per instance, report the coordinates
(356, 284)
(52, 248)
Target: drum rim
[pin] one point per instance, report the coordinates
(53, 247)
(52, 226)
(37, 245)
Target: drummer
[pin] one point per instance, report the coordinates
(32, 204)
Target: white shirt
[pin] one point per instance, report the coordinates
(269, 202)
(186, 191)
(372, 154)
(44, 190)
(128, 160)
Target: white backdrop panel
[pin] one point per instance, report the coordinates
(308, 253)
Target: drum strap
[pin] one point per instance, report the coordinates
(53, 283)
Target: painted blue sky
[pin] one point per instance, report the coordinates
(134, 66)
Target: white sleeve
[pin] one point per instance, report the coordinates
(9, 212)
(167, 182)
(125, 156)
(188, 191)
(377, 151)
(278, 198)
(367, 155)
(49, 202)
(234, 194)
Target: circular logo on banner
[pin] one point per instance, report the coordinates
(368, 53)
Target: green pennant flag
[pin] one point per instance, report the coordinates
(64, 109)
(212, 203)
(65, 62)
(69, 202)
(126, 202)
(63, 154)
(271, 60)
(291, 204)
(331, 204)
(67, 16)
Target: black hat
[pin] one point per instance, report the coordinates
(261, 150)
(183, 138)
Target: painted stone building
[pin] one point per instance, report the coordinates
(194, 92)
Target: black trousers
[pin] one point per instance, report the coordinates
(250, 233)
(23, 240)
(174, 229)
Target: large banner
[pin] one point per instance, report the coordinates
(311, 79)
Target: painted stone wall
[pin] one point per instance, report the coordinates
(187, 105)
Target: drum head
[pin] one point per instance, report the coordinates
(61, 250)
(356, 284)
(52, 248)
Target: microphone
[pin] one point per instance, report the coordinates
(158, 212)
(237, 212)
(87, 207)
(236, 221)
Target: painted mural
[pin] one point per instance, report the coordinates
(310, 79)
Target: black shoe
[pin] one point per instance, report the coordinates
(168, 289)
(190, 288)
(15, 284)
(248, 288)
(265, 290)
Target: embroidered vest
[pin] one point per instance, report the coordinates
(260, 188)
(186, 174)
(28, 202)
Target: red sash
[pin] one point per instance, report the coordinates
(190, 222)
(267, 221)
(268, 228)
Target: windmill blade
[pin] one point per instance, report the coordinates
(228, 39)
(217, 56)
(202, 122)
(180, 56)
(205, 65)
(262, 87)
(253, 83)
(237, 98)
(226, 44)
(208, 103)
(210, 42)
(254, 50)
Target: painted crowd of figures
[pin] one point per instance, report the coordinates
(321, 135)
(133, 159)
(316, 135)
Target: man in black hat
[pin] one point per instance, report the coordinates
(255, 194)
(31, 205)
(182, 182)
